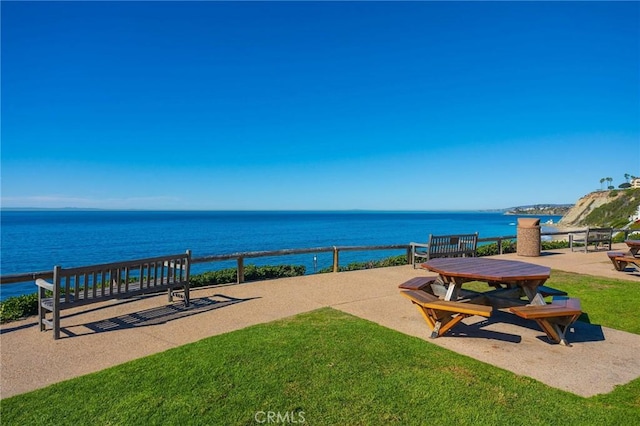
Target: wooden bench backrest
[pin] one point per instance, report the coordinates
(452, 245)
(85, 284)
(599, 235)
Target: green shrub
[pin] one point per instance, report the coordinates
(16, 307)
(508, 246)
(251, 273)
(357, 266)
(619, 237)
(551, 245)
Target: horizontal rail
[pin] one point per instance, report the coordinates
(239, 257)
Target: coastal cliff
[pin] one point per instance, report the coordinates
(602, 208)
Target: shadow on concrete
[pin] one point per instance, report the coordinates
(159, 315)
(580, 332)
(5, 330)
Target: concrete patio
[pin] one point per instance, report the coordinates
(107, 334)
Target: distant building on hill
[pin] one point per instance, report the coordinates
(635, 183)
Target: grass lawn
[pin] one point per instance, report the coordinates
(328, 367)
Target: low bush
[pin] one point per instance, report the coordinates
(552, 245)
(17, 307)
(508, 246)
(357, 266)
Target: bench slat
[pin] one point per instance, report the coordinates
(418, 296)
(544, 311)
(417, 283)
(460, 307)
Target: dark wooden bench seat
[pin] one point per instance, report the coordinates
(620, 260)
(418, 283)
(443, 315)
(84, 285)
(554, 318)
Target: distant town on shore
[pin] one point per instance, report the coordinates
(541, 209)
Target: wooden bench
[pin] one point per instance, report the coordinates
(620, 260)
(598, 237)
(445, 246)
(84, 285)
(554, 318)
(442, 315)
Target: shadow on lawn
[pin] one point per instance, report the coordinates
(160, 315)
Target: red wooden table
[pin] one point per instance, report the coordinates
(634, 246)
(505, 275)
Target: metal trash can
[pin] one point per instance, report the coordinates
(528, 243)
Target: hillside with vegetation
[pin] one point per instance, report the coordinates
(610, 208)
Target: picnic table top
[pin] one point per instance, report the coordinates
(483, 269)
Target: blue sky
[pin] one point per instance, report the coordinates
(307, 106)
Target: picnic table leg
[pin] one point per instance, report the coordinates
(531, 291)
(452, 289)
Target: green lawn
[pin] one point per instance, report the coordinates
(328, 367)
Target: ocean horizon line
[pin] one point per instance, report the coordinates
(90, 209)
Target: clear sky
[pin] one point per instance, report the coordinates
(307, 106)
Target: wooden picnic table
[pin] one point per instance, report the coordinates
(508, 276)
(634, 247)
(511, 278)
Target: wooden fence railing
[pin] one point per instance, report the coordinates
(240, 257)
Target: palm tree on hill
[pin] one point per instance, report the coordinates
(601, 182)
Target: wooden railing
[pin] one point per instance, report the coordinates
(240, 257)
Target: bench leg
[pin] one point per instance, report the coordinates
(430, 322)
(556, 328)
(42, 315)
(442, 327)
(620, 265)
(56, 324)
(438, 321)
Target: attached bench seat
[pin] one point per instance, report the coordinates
(443, 315)
(554, 318)
(620, 260)
(418, 283)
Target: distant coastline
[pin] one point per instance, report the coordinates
(540, 210)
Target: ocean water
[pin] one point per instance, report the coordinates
(33, 241)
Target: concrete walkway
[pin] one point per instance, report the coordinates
(100, 336)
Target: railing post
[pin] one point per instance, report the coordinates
(499, 245)
(409, 256)
(336, 257)
(240, 270)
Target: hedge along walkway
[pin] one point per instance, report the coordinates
(115, 332)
